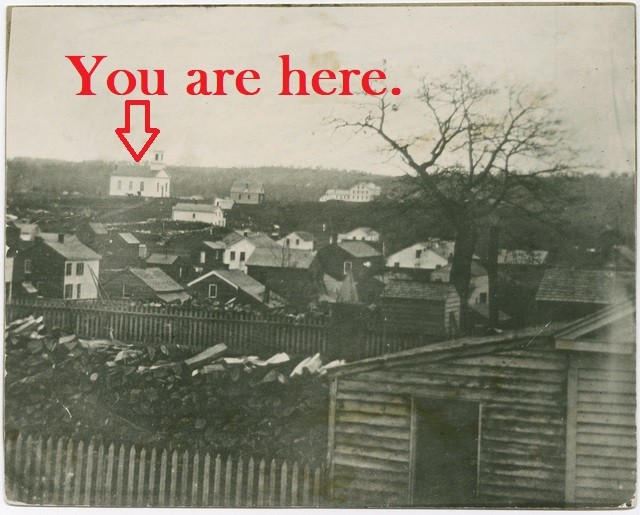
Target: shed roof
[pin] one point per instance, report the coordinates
(359, 249)
(589, 286)
(196, 208)
(418, 290)
(162, 259)
(129, 238)
(72, 248)
(98, 228)
(156, 279)
(281, 257)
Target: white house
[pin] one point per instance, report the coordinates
(427, 255)
(361, 192)
(224, 203)
(299, 240)
(478, 285)
(146, 180)
(360, 234)
(238, 252)
(207, 213)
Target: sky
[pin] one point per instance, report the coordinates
(584, 55)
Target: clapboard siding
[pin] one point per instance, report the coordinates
(605, 430)
(523, 398)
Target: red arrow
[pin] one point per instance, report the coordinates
(126, 130)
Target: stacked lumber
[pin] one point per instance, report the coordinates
(68, 386)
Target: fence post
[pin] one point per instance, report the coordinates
(130, 476)
(26, 475)
(283, 484)
(294, 484)
(185, 478)
(120, 476)
(78, 473)
(174, 478)
(141, 472)
(163, 479)
(205, 480)
(227, 481)
(57, 472)
(194, 479)
(261, 474)
(239, 482)
(305, 486)
(249, 496)
(88, 478)
(272, 483)
(152, 477)
(37, 473)
(107, 498)
(216, 481)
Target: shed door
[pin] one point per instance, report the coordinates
(446, 453)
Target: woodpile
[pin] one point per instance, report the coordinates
(63, 385)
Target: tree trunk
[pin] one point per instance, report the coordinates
(466, 236)
(492, 272)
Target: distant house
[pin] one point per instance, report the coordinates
(193, 212)
(145, 285)
(294, 274)
(125, 250)
(478, 286)
(237, 253)
(173, 265)
(224, 286)
(147, 180)
(94, 235)
(247, 192)
(361, 192)
(566, 294)
(428, 255)
(21, 230)
(207, 256)
(360, 234)
(224, 203)
(59, 266)
(302, 240)
(430, 309)
(356, 256)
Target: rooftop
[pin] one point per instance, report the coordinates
(281, 257)
(418, 290)
(72, 248)
(162, 259)
(242, 281)
(129, 238)
(247, 187)
(366, 230)
(359, 249)
(143, 171)
(198, 208)
(98, 228)
(522, 257)
(216, 245)
(589, 286)
(156, 279)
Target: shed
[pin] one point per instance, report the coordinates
(149, 284)
(520, 419)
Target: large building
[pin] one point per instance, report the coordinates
(146, 180)
(361, 192)
(193, 212)
(247, 192)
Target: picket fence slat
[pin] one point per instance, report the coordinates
(39, 473)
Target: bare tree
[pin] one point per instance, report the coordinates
(479, 149)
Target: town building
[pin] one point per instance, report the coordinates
(94, 235)
(361, 192)
(356, 256)
(247, 192)
(540, 417)
(194, 212)
(224, 203)
(143, 180)
(125, 250)
(302, 240)
(478, 284)
(232, 286)
(237, 253)
(21, 230)
(360, 234)
(173, 265)
(145, 285)
(59, 266)
(294, 274)
(207, 256)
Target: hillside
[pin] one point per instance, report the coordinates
(92, 178)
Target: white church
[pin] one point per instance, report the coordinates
(145, 180)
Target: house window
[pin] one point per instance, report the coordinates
(180, 272)
(198, 269)
(27, 266)
(297, 242)
(68, 291)
(157, 186)
(242, 256)
(418, 253)
(78, 291)
(193, 216)
(141, 185)
(240, 196)
(347, 266)
(130, 185)
(248, 197)
(396, 264)
(483, 298)
(213, 291)
(79, 268)
(233, 256)
(124, 292)
(40, 286)
(288, 242)
(203, 255)
(69, 269)
(119, 185)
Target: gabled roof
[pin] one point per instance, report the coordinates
(281, 257)
(231, 238)
(467, 346)
(156, 279)
(522, 257)
(196, 208)
(418, 290)
(216, 245)
(262, 241)
(589, 286)
(129, 238)
(98, 228)
(71, 249)
(241, 281)
(247, 187)
(366, 230)
(162, 259)
(359, 249)
(303, 235)
(348, 293)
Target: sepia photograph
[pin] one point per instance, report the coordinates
(329, 256)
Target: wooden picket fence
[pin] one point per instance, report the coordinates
(70, 473)
(249, 333)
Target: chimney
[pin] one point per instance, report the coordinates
(266, 294)
(142, 251)
(60, 238)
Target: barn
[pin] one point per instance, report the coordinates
(528, 418)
